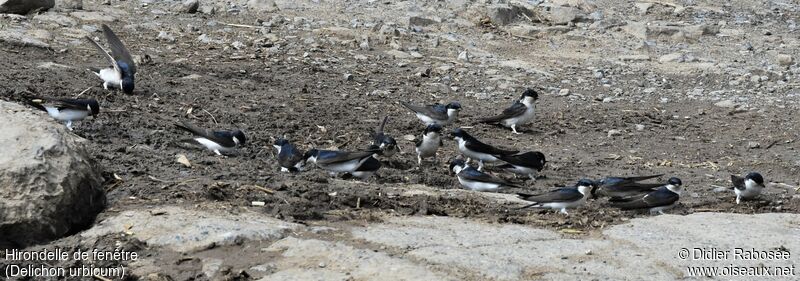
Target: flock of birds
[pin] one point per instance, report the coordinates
(626, 193)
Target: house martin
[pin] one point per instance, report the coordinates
(338, 161)
(384, 142)
(289, 157)
(625, 186)
(122, 72)
(527, 163)
(656, 201)
(748, 187)
(561, 199)
(217, 141)
(475, 149)
(429, 143)
(435, 114)
(67, 110)
(473, 179)
(519, 113)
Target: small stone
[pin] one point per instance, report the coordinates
(643, 7)
(753, 145)
(421, 21)
(726, 104)
(614, 132)
(348, 77)
(563, 92)
(237, 45)
(364, 45)
(784, 59)
(464, 55)
(639, 127)
(164, 36)
(190, 6)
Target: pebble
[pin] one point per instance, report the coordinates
(614, 132)
(784, 59)
(639, 127)
(464, 55)
(563, 92)
(726, 104)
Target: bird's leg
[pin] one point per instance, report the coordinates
(564, 211)
(514, 129)
(738, 199)
(419, 160)
(480, 165)
(217, 152)
(69, 125)
(660, 212)
(467, 161)
(533, 177)
(105, 85)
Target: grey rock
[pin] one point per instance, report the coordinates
(49, 186)
(647, 246)
(55, 19)
(397, 54)
(532, 31)
(189, 6)
(93, 16)
(559, 15)
(164, 36)
(69, 4)
(262, 6)
(614, 132)
(186, 230)
(643, 7)
(422, 21)
(502, 14)
(19, 37)
(208, 9)
(311, 259)
(24, 6)
(726, 104)
(784, 59)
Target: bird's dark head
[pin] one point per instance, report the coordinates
(281, 142)
(530, 93)
(93, 107)
(674, 181)
(239, 138)
(756, 177)
(542, 160)
(432, 128)
(459, 133)
(457, 163)
(127, 85)
(454, 105)
(587, 186)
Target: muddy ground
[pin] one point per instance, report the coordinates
(301, 92)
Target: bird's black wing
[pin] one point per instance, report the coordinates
(560, 195)
(329, 157)
(661, 197)
(475, 175)
(478, 146)
(118, 50)
(208, 134)
(434, 111)
(515, 110)
(108, 55)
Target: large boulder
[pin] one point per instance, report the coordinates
(24, 6)
(49, 187)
